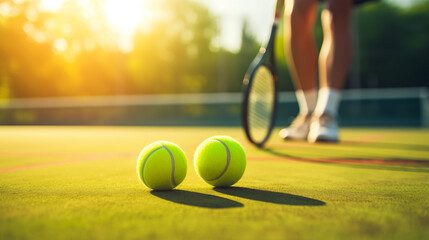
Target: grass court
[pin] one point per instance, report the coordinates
(69, 182)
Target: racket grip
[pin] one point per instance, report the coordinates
(279, 9)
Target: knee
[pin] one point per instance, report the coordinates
(339, 8)
(338, 13)
(299, 12)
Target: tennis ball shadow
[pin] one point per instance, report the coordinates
(196, 199)
(270, 197)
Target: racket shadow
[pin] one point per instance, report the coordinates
(384, 145)
(196, 199)
(376, 163)
(270, 196)
(279, 154)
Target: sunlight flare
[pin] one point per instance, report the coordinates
(124, 15)
(51, 5)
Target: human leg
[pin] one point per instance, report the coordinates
(301, 53)
(334, 61)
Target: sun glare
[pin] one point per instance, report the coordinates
(124, 15)
(123, 18)
(51, 5)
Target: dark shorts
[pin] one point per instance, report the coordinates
(357, 2)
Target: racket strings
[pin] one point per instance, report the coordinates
(261, 104)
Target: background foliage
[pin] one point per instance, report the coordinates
(45, 54)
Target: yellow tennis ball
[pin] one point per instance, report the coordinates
(162, 165)
(220, 161)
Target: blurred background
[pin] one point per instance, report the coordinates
(181, 62)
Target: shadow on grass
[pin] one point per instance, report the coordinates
(403, 165)
(270, 197)
(196, 199)
(385, 145)
(279, 154)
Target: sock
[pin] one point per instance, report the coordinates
(306, 100)
(311, 98)
(328, 102)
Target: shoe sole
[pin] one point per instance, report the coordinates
(295, 139)
(325, 140)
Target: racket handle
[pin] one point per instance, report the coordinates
(279, 9)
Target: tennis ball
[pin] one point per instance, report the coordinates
(220, 161)
(162, 165)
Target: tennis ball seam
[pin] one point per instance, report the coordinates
(173, 181)
(228, 159)
(144, 164)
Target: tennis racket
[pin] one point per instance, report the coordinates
(260, 89)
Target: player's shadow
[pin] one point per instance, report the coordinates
(196, 199)
(419, 165)
(270, 196)
(385, 145)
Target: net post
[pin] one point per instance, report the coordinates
(424, 106)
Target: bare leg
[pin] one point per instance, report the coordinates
(300, 46)
(301, 53)
(334, 61)
(335, 55)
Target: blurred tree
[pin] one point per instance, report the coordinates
(62, 53)
(176, 56)
(27, 64)
(236, 64)
(394, 45)
(72, 52)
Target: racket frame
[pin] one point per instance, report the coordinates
(265, 57)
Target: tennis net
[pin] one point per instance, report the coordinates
(359, 107)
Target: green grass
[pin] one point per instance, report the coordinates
(81, 183)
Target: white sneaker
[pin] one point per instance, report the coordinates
(299, 128)
(323, 129)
